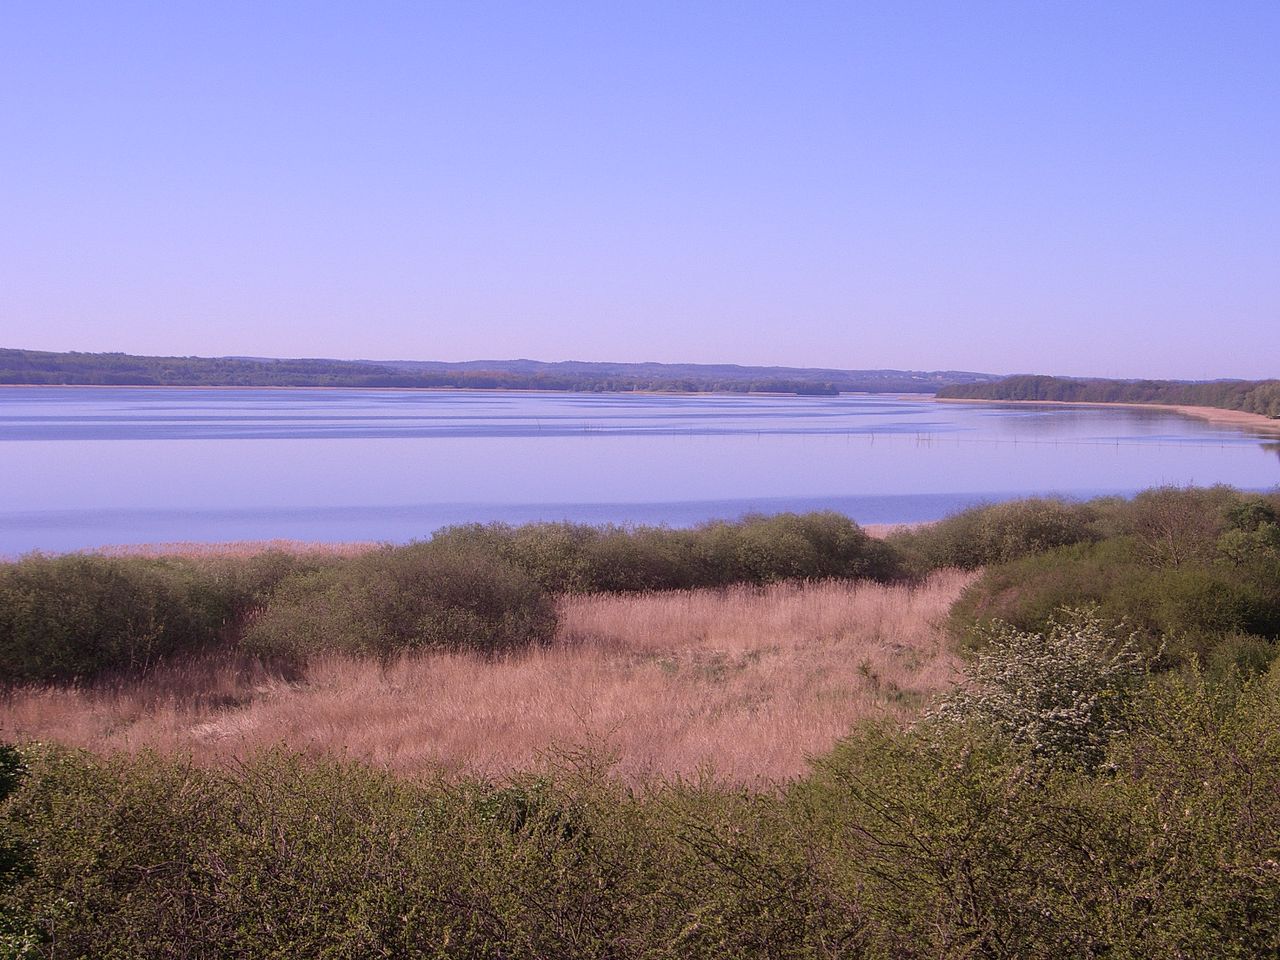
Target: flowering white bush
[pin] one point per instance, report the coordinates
(1062, 692)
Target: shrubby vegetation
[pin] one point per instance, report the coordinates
(1062, 694)
(17, 939)
(424, 596)
(79, 616)
(1106, 782)
(480, 587)
(1194, 572)
(997, 533)
(1250, 396)
(948, 840)
(576, 558)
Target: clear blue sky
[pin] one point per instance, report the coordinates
(1071, 187)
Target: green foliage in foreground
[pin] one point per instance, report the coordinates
(1062, 694)
(945, 841)
(16, 937)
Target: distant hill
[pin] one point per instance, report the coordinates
(119, 369)
(1250, 396)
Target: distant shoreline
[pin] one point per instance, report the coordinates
(907, 395)
(534, 390)
(1234, 418)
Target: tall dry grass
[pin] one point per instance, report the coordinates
(747, 681)
(237, 549)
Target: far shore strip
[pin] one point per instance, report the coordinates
(1233, 418)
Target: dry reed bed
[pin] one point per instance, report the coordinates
(747, 681)
(237, 549)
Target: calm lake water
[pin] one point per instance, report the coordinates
(95, 466)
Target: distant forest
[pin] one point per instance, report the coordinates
(119, 369)
(1250, 396)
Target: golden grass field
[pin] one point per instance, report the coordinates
(745, 681)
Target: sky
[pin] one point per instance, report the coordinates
(1051, 186)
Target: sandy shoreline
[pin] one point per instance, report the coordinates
(1233, 418)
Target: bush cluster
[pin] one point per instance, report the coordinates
(943, 841)
(79, 616)
(424, 596)
(480, 587)
(577, 558)
(1193, 572)
(1063, 694)
(997, 533)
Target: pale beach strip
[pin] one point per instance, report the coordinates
(1232, 418)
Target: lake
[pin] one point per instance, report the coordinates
(90, 466)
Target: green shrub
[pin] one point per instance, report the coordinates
(72, 617)
(621, 561)
(295, 857)
(576, 558)
(1175, 525)
(998, 533)
(1029, 591)
(1197, 787)
(1187, 608)
(116, 847)
(954, 843)
(77, 617)
(1062, 693)
(946, 840)
(423, 596)
(17, 938)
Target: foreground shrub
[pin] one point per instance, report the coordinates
(957, 843)
(423, 596)
(17, 939)
(1062, 694)
(949, 840)
(289, 857)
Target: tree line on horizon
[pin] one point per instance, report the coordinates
(1248, 396)
(35, 367)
